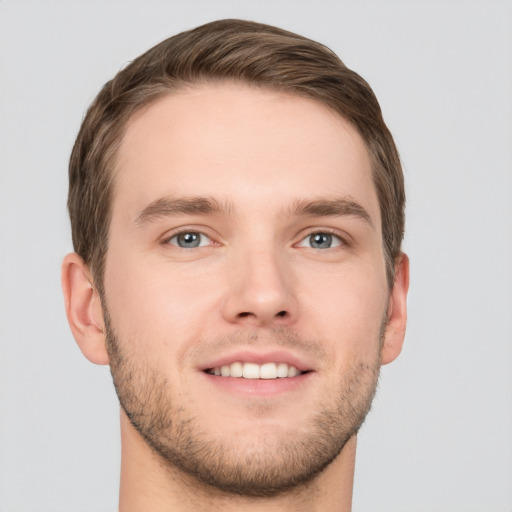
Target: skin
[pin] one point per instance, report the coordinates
(255, 287)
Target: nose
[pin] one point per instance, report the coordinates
(260, 291)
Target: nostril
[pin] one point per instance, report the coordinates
(245, 314)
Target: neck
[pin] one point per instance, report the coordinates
(149, 484)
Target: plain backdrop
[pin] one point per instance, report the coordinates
(439, 438)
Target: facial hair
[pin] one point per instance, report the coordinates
(273, 463)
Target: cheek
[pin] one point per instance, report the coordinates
(159, 305)
(348, 309)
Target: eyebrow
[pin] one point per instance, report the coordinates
(168, 206)
(336, 207)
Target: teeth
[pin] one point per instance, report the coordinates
(268, 371)
(255, 371)
(236, 370)
(292, 371)
(282, 370)
(251, 371)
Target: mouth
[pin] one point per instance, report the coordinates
(258, 372)
(249, 370)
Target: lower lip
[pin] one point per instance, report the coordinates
(266, 387)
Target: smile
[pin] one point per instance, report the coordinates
(255, 371)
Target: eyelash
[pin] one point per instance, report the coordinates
(329, 232)
(341, 240)
(167, 240)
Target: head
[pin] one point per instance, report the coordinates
(237, 206)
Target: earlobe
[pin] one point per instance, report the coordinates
(397, 312)
(83, 309)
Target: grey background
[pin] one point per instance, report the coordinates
(440, 434)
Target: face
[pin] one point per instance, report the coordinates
(245, 285)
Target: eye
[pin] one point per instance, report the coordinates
(321, 240)
(189, 240)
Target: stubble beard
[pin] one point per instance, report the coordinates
(272, 464)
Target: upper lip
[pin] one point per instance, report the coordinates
(253, 356)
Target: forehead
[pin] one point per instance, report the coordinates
(243, 144)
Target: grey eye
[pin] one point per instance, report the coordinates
(190, 240)
(321, 240)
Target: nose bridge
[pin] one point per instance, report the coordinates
(260, 286)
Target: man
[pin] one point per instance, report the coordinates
(236, 203)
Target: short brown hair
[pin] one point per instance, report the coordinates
(234, 50)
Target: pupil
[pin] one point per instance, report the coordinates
(322, 240)
(188, 240)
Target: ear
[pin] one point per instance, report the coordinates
(83, 309)
(397, 312)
